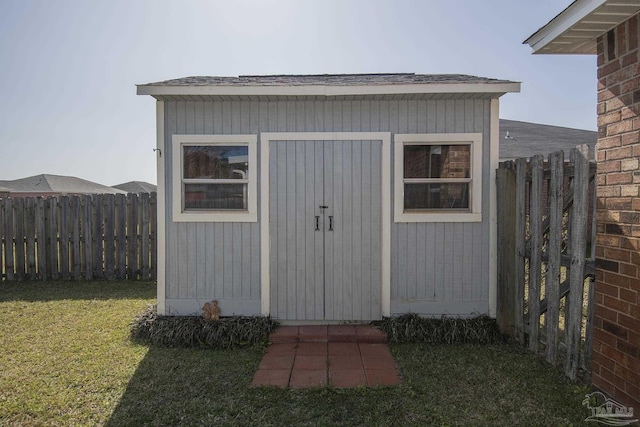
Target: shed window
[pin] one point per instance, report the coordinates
(215, 178)
(437, 177)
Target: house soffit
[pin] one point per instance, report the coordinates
(575, 29)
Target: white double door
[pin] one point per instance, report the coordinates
(325, 230)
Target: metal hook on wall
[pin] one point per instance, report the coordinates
(159, 151)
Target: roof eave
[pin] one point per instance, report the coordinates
(326, 90)
(569, 17)
(576, 29)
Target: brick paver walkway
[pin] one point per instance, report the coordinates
(337, 355)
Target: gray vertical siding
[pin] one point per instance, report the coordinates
(323, 274)
(435, 267)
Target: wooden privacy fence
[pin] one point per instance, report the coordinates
(546, 253)
(103, 236)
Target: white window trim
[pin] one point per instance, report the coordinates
(250, 215)
(475, 142)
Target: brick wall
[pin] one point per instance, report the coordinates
(616, 342)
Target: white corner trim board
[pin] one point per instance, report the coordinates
(385, 138)
(160, 208)
(494, 137)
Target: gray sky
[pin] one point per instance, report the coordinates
(68, 68)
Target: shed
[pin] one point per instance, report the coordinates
(328, 198)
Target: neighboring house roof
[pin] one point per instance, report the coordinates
(523, 139)
(45, 183)
(136, 187)
(575, 29)
(329, 85)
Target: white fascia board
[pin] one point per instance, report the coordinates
(573, 14)
(326, 90)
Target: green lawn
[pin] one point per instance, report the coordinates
(65, 359)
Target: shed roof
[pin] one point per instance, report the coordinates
(326, 85)
(575, 29)
(58, 184)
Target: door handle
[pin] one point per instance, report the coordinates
(317, 223)
(330, 222)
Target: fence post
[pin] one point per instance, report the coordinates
(506, 189)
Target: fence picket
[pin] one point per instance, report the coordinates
(506, 189)
(535, 243)
(552, 278)
(19, 239)
(153, 230)
(30, 237)
(144, 233)
(87, 231)
(98, 223)
(578, 246)
(521, 171)
(132, 236)
(52, 238)
(109, 236)
(2, 244)
(64, 237)
(76, 257)
(121, 234)
(41, 237)
(8, 238)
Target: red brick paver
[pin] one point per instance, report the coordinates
(308, 378)
(337, 355)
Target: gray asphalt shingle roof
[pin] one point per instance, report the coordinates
(136, 187)
(528, 139)
(326, 79)
(46, 183)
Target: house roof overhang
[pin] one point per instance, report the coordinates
(395, 86)
(575, 29)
